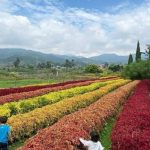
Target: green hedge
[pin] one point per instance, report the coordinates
(137, 70)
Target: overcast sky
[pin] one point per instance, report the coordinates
(75, 27)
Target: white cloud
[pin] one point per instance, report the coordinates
(75, 31)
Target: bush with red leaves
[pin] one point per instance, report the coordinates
(132, 131)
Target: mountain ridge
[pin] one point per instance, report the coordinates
(8, 56)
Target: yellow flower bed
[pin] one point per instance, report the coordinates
(24, 125)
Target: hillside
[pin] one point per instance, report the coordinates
(111, 58)
(9, 55)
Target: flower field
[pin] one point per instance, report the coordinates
(66, 132)
(29, 123)
(7, 96)
(132, 131)
(26, 105)
(37, 87)
(61, 113)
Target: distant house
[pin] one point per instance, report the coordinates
(105, 65)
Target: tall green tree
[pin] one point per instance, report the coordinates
(73, 62)
(130, 60)
(48, 64)
(115, 67)
(16, 62)
(68, 63)
(138, 52)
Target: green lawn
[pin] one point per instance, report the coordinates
(24, 82)
(6, 83)
(105, 135)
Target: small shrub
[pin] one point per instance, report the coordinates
(26, 107)
(43, 102)
(13, 109)
(93, 69)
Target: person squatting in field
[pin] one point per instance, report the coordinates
(93, 144)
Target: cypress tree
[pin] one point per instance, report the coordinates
(138, 53)
(130, 60)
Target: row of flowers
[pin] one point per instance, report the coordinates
(27, 105)
(132, 130)
(7, 91)
(66, 132)
(24, 125)
(24, 95)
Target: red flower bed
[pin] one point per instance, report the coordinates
(66, 132)
(132, 131)
(24, 95)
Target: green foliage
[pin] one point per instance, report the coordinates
(48, 64)
(43, 102)
(17, 144)
(105, 134)
(93, 69)
(26, 106)
(15, 77)
(148, 52)
(130, 60)
(69, 64)
(13, 109)
(115, 67)
(43, 65)
(137, 70)
(16, 83)
(16, 62)
(138, 53)
(30, 66)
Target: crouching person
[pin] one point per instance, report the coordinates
(94, 143)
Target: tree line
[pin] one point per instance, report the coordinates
(140, 67)
(47, 64)
(138, 55)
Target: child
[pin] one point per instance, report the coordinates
(94, 143)
(4, 133)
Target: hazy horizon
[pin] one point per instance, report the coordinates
(64, 54)
(75, 27)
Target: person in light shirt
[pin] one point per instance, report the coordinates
(94, 143)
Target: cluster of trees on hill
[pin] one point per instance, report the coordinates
(92, 68)
(138, 69)
(47, 64)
